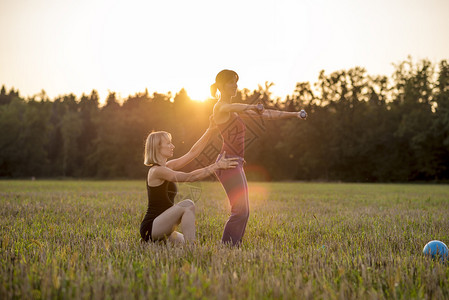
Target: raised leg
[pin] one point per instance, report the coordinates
(182, 214)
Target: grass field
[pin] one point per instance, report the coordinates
(80, 239)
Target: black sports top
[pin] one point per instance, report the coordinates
(160, 198)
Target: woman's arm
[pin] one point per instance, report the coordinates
(271, 114)
(165, 173)
(197, 148)
(239, 107)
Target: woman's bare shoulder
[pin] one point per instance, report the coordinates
(217, 107)
(220, 116)
(152, 179)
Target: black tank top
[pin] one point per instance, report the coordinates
(160, 198)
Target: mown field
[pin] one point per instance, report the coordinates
(80, 239)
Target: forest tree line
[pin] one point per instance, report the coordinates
(360, 127)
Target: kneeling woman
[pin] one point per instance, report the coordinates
(162, 215)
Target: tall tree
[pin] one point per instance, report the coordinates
(89, 108)
(440, 126)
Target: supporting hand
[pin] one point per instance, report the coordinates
(212, 124)
(226, 163)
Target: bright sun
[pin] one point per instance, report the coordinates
(197, 94)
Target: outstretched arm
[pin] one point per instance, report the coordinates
(165, 173)
(195, 151)
(238, 107)
(271, 114)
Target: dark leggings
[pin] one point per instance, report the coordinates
(236, 187)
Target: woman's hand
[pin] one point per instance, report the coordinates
(212, 124)
(226, 163)
(258, 108)
(302, 114)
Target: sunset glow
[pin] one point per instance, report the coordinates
(127, 47)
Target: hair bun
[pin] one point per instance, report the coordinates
(213, 90)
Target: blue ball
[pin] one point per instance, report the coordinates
(436, 249)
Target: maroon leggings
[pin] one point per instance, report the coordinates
(236, 187)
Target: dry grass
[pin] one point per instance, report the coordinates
(79, 239)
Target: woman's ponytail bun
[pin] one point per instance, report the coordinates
(213, 90)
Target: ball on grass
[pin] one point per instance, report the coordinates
(436, 249)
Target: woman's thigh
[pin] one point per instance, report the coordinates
(235, 185)
(165, 223)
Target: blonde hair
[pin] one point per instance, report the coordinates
(152, 144)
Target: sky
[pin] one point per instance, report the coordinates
(63, 46)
